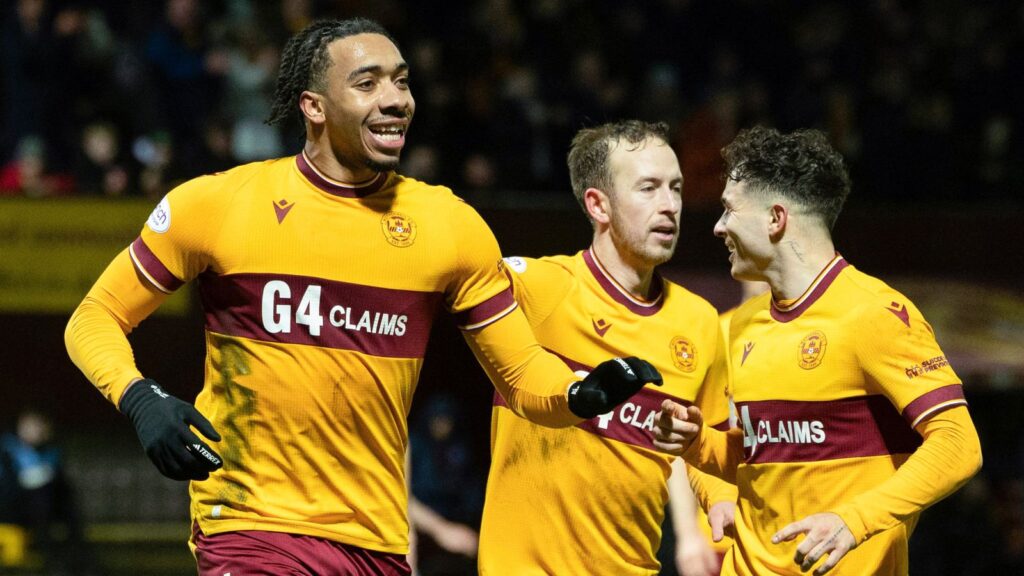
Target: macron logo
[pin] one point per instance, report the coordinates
(900, 311)
(746, 351)
(600, 326)
(282, 207)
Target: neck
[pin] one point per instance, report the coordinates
(634, 276)
(328, 164)
(796, 265)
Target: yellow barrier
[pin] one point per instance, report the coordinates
(52, 250)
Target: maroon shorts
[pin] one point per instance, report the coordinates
(259, 553)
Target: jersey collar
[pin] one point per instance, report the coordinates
(618, 293)
(813, 292)
(335, 187)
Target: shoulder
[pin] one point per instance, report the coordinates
(678, 297)
(875, 304)
(220, 186)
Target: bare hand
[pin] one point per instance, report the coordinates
(722, 518)
(676, 427)
(826, 534)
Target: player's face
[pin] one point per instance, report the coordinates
(744, 227)
(646, 201)
(368, 103)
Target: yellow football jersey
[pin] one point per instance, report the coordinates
(828, 391)
(601, 482)
(319, 300)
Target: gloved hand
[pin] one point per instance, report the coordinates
(609, 384)
(162, 423)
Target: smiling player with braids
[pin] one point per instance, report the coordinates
(320, 276)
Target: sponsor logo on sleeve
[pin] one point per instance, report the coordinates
(684, 354)
(160, 220)
(399, 229)
(926, 367)
(517, 264)
(812, 350)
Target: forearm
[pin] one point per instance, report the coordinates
(96, 333)
(682, 499)
(948, 457)
(708, 489)
(532, 382)
(717, 453)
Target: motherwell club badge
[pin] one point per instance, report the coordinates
(399, 229)
(812, 349)
(684, 354)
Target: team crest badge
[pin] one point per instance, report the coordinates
(399, 229)
(812, 349)
(684, 354)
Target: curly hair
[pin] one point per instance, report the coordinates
(305, 61)
(800, 165)
(590, 148)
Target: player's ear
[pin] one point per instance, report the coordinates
(312, 106)
(778, 218)
(598, 205)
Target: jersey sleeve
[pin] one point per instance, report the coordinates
(478, 292)
(902, 360)
(173, 247)
(539, 286)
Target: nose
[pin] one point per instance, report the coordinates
(395, 98)
(720, 226)
(670, 202)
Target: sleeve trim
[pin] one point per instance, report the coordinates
(487, 312)
(931, 403)
(152, 268)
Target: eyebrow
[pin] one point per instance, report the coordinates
(376, 69)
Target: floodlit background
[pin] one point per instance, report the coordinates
(106, 105)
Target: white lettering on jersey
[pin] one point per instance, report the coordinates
(780, 431)
(628, 413)
(276, 312)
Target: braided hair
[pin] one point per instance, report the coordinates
(305, 61)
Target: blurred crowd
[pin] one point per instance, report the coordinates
(128, 98)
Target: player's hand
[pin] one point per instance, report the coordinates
(611, 383)
(722, 518)
(695, 557)
(676, 427)
(825, 534)
(162, 423)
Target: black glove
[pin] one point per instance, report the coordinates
(162, 423)
(611, 383)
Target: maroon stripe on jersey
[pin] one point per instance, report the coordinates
(933, 402)
(616, 292)
(819, 290)
(631, 422)
(488, 310)
(317, 312)
(336, 188)
(153, 267)
(794, 431)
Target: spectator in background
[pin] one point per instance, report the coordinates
(447, 490)
(28, 174)
(102, 167)
(37, 494)
(26, 64)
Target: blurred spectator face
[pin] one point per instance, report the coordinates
(646, 200)
(34, 429)
(478, 172)
(367, 105)
(99, 142)
(30, 12)
(181, 14)
(421, 163)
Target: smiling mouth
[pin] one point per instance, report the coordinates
(390, 133)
